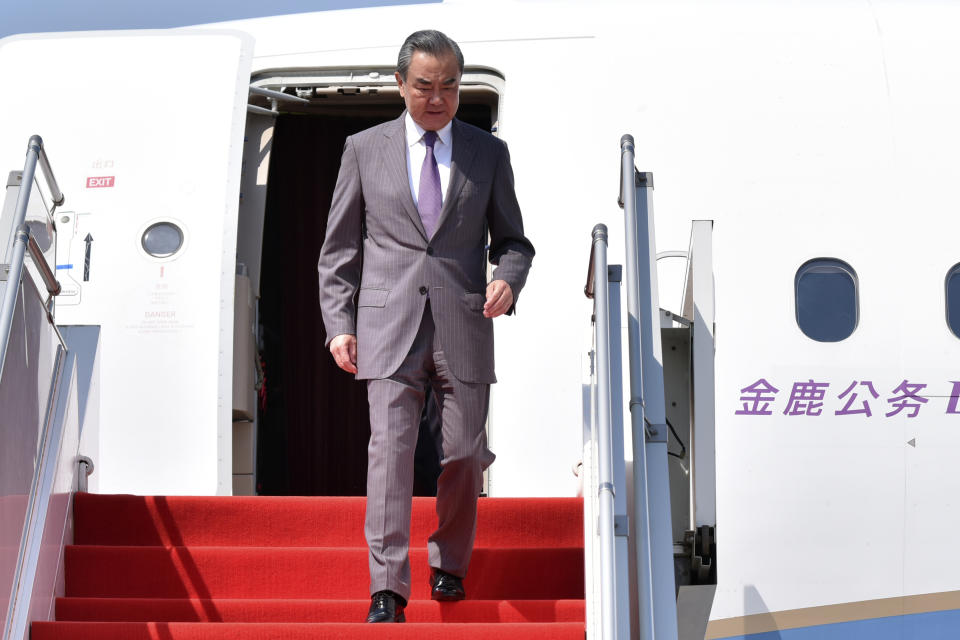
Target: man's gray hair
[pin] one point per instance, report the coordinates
(429, 41)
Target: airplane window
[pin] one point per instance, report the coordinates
(162, 240)
(826, 297)
(953, 300)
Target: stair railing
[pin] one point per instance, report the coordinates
(22, 241)
(644, 595)
(605, 512)
(38, 400)
(653, 541)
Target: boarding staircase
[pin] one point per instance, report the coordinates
(619, 563)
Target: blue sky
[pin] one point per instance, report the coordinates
(32, 16)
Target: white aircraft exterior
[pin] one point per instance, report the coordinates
(804, 131)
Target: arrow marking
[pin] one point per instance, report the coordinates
(86, 258)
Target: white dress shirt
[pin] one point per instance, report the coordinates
(417, 151)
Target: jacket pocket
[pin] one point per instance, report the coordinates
(372, 297)
(474, 301)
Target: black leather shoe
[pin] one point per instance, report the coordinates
(386, 606)
(446, 587)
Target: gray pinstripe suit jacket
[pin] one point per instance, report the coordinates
(377, 251)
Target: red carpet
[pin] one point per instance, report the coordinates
(183, 568)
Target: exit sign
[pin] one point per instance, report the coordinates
(100, 182)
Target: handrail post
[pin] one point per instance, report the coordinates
(603, 436)
(655, 418)
(641, 509)
(647, 404)
(621, 517)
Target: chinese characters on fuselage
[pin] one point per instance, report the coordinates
(808, 399)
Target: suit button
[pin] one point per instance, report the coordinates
(429, 251)
(423, 291)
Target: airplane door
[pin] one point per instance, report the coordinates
(144, 130)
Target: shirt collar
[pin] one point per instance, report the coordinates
(415, 132)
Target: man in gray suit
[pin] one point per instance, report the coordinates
(406, 237)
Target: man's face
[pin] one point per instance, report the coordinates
(431, 89)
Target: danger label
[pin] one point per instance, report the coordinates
(100, 182)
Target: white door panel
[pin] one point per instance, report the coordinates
(144, 127)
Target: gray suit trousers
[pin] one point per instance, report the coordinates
(395, 407)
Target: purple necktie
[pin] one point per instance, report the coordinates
(429, 198)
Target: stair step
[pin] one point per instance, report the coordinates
(299, 631)
(307, 521)
(305, 572)
(302, 610)
(256, 568)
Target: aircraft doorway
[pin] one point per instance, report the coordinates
(314, 424)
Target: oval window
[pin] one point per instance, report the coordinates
(826, 298)
(953, 300)
(162, 240)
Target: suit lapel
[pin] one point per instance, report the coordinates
(464, 152)
(396, 161)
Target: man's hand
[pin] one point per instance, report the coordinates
(499, 299)
(344, 350)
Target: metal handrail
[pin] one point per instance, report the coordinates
(671, 254)
(277, 95)
(651, 491)
(36, 143)
(603, 434)
(36, 253)
(22, 240)
(588, 288)
(641, 508)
